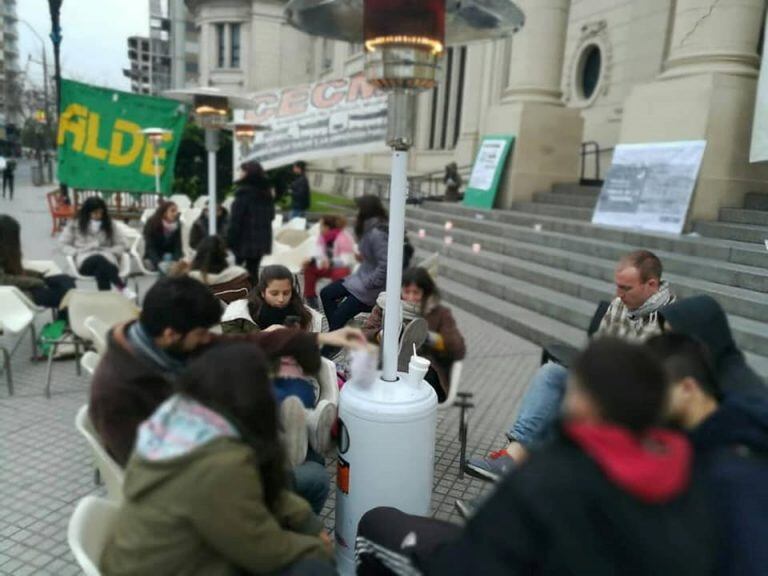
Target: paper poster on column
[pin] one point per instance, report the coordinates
(759, 150)
(650, 186)
(487, 170)
(326, 119)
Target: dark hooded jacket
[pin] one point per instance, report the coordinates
(250, 225)
(732, 445)
(595, 502)
(702, 318)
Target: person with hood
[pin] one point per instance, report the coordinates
(729, 433)
(300, 196)
(704, 319)
(205, 490)
(250, 227)
(443, 345)
(633, 315)
(345, 299)
(612, 494)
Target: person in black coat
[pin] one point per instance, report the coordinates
(704, 319)
(300, 197)
(250, 225)
(199, 231)
(162, 238)
(612, 495)
(729, 433)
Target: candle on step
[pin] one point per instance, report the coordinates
(448, 225)
(448, 240)
(422, 233)
(476, 248)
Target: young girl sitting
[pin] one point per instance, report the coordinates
(210, 266)
(333, 258)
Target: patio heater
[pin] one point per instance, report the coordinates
(244, 132)
(404, 41)
(156, 137)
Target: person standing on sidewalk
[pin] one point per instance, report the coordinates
(250, 228)
(299, 191)
(9, 172)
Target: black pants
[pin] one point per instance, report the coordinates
(389, 541)
(50, 295)
(252, 264)
(340, 306)
(8, 183)
(106, 273)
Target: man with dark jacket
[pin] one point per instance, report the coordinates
(300, 196)
(144, 357)
(612, 495)
(730, 438)
(250, 225)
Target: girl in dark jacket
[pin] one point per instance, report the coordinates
(162, 238)
(250, 228)
(345, 299)
(44, 291)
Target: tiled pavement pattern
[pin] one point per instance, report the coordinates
(45, 466)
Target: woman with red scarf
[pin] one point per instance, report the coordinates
(334, 257)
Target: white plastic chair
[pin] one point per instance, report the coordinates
(200, 203)
(291, 237)
(182, 201)
(296, 224)
(89, 529)
(317, 320)
(111, 473)
(109, 307)
(98, 330)
(228, 201)
(90, 361)
(453, 390)
(431, 263)
(291, 258)
(146, 215)
(17, 316)
(137, 252)
(44, 267)
(187, 219)
(124, 266)
(329, 384)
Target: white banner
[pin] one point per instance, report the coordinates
(649, 186)
(758, 152)
(315, 121)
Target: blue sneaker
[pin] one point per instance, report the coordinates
(491, 467)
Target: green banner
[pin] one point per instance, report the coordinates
(101, 146)
(487, 171)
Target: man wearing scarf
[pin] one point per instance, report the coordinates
(633, 316)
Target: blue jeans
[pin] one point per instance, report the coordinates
(312, 482)
(541, 405)
(298, 387)
(340, 306)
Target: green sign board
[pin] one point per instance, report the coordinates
(101, 146)
(487, 171)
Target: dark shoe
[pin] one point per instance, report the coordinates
(491, 467)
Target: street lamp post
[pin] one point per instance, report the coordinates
(156, 137)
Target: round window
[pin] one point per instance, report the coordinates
(590, 69)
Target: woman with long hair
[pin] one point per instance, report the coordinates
(205, 490)
(277, 298)
(250, 228)
(444, 345)
(162, 238)
(344, 299)
(211, 267)
(333, 258)
(44, 291)
(96, 244)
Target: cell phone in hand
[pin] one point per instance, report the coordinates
(292, 322)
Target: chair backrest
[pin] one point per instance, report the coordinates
(182, 201)
(453, 389)
(111, 473)
(16, 310)
(146, 215)
(109, 307)
(201, 202)
(328, 380)
(432, 264)
(228, 201)
(291, 237)
(187, 220)
(99, 330)
(296, 224)
(90, 361)
(317, 320)
(89, 529)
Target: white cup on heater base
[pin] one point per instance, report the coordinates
(417, 369)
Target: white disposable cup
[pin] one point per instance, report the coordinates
(417, 369)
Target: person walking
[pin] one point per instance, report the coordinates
(250, 228)
(299, 191)
(8, 177)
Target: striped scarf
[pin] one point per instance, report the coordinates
(636, 325)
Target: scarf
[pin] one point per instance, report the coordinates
(329, 238)
(269, 316)
(145, 346)
(652, 305)
(410, 310)
(636, 325)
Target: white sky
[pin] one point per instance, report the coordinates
(95, 45)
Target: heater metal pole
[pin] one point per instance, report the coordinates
(400, 130)
(212, 146)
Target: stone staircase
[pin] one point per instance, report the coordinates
(543, 266)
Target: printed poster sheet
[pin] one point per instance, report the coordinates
(649, 186)
(314, 121)
(487, 170)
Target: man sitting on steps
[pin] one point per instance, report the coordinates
(633, 316)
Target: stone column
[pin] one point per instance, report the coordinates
(548, 134)
(706, 92)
